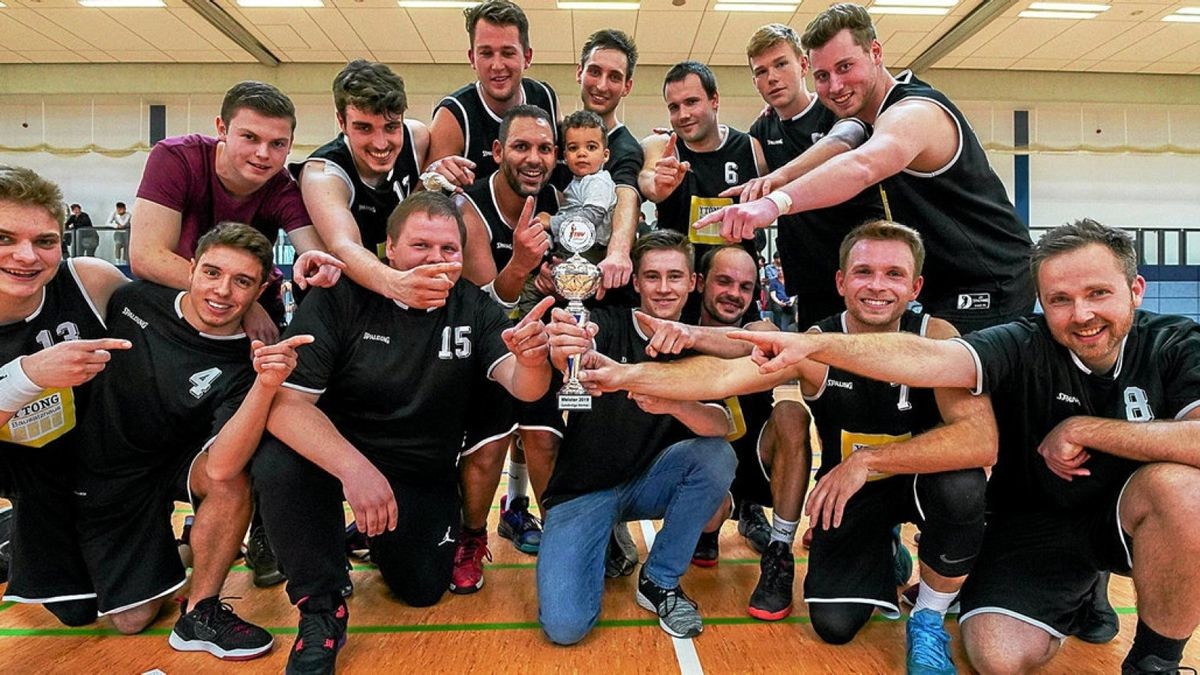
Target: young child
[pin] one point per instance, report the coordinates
(591, 195)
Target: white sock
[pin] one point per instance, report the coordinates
(518, 481)
(783, 530)
(927, 598)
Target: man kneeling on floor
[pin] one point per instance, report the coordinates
(375, 414)
(630, 458)
(177, 417)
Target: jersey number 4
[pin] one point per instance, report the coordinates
(461, 347)
(203, 381)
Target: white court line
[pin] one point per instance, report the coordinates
(685, 650)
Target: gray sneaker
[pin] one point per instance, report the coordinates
(676, 612)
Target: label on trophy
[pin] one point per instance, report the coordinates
(576, 235)
(574, 402)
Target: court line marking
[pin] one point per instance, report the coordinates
(439, 627)
(685, 649)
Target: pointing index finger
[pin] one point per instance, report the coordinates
(536, 313)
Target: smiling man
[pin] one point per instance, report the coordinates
(191, 183)
(467, 122)
(1098, 409)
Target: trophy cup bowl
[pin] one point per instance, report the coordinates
(576, 279)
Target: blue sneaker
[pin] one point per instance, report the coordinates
(928, 645)
(520, 526)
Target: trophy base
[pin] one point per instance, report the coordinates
(574, 402)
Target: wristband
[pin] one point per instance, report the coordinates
(782, 201)
(16, 389)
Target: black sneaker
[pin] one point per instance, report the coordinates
(753, 525)
(1101, 624)
(321, 634)
(1155, 665)
(902, 564)
(621, 558)
(708, 549)
(212, 627)
(772, 597)
(358, 546)
(261, 559)
(5, 543)
(677, 613)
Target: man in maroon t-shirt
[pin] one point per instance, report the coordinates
(191, 183)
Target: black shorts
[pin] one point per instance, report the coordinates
(853, 563)
(47, 563)
(1039, 568)
(751, 481)
(543, 414)
(129, 545)
(491, 417)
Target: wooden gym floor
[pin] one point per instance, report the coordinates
(495, 630)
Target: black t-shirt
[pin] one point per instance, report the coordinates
(616, 440)
(45, 425)
(732, 163)
(853, 412)
(809, 241)
(370, 205)
(482, 195)
(977, 250)
(1035, 383)
(395, 381)
(481, 126)
(156, 404)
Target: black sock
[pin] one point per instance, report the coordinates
(474, 531)
(1146, 642)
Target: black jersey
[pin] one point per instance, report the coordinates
(977, 250)
(853, 412)
(749, 413)
(395, 381)
(482, 195)
(732, 163)
(1036, 383)
(65, 313)
(809, 241)
(370, 205)
(161, 400)
(616, 440)
(481, 126)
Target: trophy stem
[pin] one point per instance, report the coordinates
(573, 396)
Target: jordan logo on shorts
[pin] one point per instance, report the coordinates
(446, 538)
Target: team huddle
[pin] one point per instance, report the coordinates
(1035, 452)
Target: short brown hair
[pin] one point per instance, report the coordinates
(429, 203)
(260, 97)
(884, 230)
(611, 38)
(662, 240)
(25, 187)
(498, 13)
(1081, 233)
(243, 238)
(371, 87)
(680, 71)
(770, 35)
(835, 19)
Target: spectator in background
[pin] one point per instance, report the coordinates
(782, 307)
(80, 225)
(120, 220)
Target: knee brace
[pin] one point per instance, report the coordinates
(952, 507)
(838, 622)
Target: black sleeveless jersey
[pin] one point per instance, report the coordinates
(482, 195)
(66, 313)
(853, 412)
(397, 382)
(481, 126)
(1036, 383)
(977, 250)
(749, 413)
(159, 402)
(808, 242)
(732, 163)
(369, 205)
(616, 440)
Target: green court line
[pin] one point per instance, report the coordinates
(437, 627)
(6, 605)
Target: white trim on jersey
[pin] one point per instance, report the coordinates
(887, 609)
(497, 362)
(1121, 528)
(1011, 614)
(41, 305)
(334, 169)
(139, 603)
(539, 427)
(466, 130)
(45, 601)
(305, 390)
(924, 324)
(978, 389)
(957, 151)
(487, 440)
(637, 328)
(479, 212)
(192, 467)
(83, 290)
(209, 336)
(553, 98)
(917, 499)
(820, 390)
(1187, 409)
(1116, 370)
(758, 446)
(812, 105)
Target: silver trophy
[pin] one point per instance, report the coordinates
(576, 280)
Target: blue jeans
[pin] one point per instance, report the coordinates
(683, 487)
